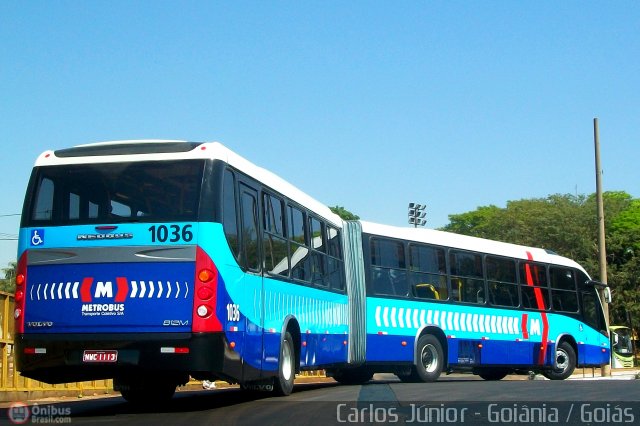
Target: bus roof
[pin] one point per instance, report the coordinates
(464, 242)
(159, 150)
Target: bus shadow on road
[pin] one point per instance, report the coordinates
(185, 401)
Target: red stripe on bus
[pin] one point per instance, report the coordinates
(540, 303)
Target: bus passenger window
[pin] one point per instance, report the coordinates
(250, 229)
(274, 245)
(334, 243)
(388, 273)
(390, 282)
(335, 274)
(534, 286)
(466, 272)
(229, 214)
(335, 264)
(502, 282)
(428, 272)
(317, 235)
(298, 246)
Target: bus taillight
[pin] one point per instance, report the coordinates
(21, 286)
(204, 301)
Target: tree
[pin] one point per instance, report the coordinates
(567, 224)
(344, 213)
(8, 283)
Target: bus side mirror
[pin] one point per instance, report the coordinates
(606, 290)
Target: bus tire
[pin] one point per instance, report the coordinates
(283, 383)
(492, 374)
(564, 364)
(429, 358)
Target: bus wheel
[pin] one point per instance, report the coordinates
(565, 362)
(493, 374)
(353, 376)
(430, 358)
(283, 384)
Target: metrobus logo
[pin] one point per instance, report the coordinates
(119, 290)
(104, 289)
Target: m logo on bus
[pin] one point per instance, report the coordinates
(104, 289)
(530, 326)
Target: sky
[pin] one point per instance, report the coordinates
(369, 105)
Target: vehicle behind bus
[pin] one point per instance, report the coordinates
(622, 350)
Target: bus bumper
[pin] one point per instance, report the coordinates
(63, 358)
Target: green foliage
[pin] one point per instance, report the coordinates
(8, 283)
(344, 213)
(567, 224)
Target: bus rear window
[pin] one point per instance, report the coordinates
(158, 191)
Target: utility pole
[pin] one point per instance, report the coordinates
(602, 250)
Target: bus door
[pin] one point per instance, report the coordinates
(590, 351)
(253, 290)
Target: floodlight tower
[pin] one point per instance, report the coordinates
(417, 214)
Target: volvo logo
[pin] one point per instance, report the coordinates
(40, 324)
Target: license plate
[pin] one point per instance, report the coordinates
(100, 356)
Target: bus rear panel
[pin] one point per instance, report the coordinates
(112, 279)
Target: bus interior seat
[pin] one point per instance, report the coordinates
(426, 291)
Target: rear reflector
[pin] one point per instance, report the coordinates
(31, 351)
(172, 350)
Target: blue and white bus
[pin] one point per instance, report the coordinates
(153, 261)
(437, 301)
(150, 262)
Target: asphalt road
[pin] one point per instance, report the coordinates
(451, 400)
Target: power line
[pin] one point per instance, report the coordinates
(12, 214)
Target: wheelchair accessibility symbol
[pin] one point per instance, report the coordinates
(37, 237)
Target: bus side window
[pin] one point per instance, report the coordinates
(249, 207)
(534, 286)
(229, 213)
(274, 244)
(335, 266)
(467, 270)
(502, 281)
(298, 244)
(428, 272)
(388, 268)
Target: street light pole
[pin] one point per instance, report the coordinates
(417, 214)
(602, 250)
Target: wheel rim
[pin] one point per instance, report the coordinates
(429, 358)
(562, 360)
(287, 362)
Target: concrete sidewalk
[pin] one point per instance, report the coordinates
(616, 374)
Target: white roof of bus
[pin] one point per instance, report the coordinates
(448, 239)
(207, 150)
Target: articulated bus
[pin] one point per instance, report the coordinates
(437, 301)
(151, 262)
